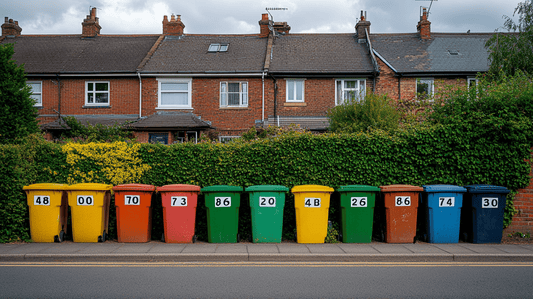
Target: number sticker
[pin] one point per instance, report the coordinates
(222, 202)
(446, 202)
(132, 200)
(403, 201)
(359, 202)
(85, 200)
(41, 200)
(178, 201)
(489, 202)
(312, 202)
(269, 202)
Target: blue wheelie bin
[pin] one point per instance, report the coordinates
(442, 205)
(482, 217)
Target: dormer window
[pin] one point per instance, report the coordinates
(453, 52)
(218, 48)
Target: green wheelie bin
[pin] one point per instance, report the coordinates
(357, 206)
(267, 203)
(222, 203)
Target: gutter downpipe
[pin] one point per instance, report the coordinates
(275, 95)
(140, 94)
(58, 97)
(263, 99)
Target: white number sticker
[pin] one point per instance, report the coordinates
(403, 201)
(41, 200)
(222, 202)
(312, 202)
(85, 200)
(359, 202)
(269, 202)
(489, 202)
(178, 201)
(132, 200)
(446, 202)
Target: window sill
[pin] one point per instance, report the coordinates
(234, 108)
(38, 107)
(174, 108)
(295, 104)
(96, 107)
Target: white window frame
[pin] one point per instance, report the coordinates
(243, 94)
(39, 100)
(292, 98)
(360, 89)
(161, 81)
(218, 47)
(431, 81)
(471, 79)
(227, 139)
(94, 92)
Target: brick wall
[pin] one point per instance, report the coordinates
(523, 202)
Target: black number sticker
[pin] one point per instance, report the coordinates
(85, 200)
(403, 201)
(222, 202)
(359, 202)
(132, 200)
(489, 202)
(445, 202)
(41, 200)
(267, 202)
(178, 201)
(312, 202)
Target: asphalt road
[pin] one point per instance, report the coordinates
(272, 280)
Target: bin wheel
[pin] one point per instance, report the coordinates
(194, 238)
(104, 236)
(100, 239)
(163, 237)
(295, 237)
(238, 238)
(56, 239)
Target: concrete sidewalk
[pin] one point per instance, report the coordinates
(156, 251)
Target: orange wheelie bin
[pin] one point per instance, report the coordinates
(133, 203)
(179, 203)
(401, 206)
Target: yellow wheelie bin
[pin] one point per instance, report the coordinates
(312, 208)
(48, 211)
(89, 208)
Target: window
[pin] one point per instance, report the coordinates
(349, 90)
(36, 92)
(158, 138)
(218, 48)
(472, 82)
(295, 90)
(233, 94)
(424, 87)
(97, 93)
(227, 139)
(174, 93)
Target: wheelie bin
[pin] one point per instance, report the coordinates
(222, 203)
(482, 217)
(133, 204)
(179, 203)
(401, 206)
(357, 207)
(48, 206)
(89, 208)
(442, 207)
(312, 208)
(267, 203)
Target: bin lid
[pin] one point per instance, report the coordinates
(487, 189)
(90, 187)
(134, 187)
(443, 188)
(401, 188)
(179, 187)
(267, 188)
(222, 188)
(46, 186)
(352, 188)
(311, 188)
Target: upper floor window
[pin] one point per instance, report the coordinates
(472, 82)
(233, 94)
(218, 48)
(349, 90)
(97, 93)
(36, 92)
(175, 93)
(295, 90)
(424, 87)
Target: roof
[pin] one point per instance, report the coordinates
(444, 53)
(320, 54)
(189, 54)
(170, 120)
(106, 120)
(52, 54)
(312, 123)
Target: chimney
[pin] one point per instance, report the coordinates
(424, 26)
(360, 28)
(90, 26)
(174, 26)
(282, 27)
(11, 28)
(263, 25)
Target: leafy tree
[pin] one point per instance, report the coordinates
(513, 51)
(18, 116)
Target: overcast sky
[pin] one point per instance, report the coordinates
(242, 16)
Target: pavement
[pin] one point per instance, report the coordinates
(157, 251)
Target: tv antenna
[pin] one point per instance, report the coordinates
(271, 22)
(421, 7)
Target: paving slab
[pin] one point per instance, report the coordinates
(483, 248)
(166, 248)
(424, 248)
(391, 249)
(100, 248)
(365, 249)
(227, 248)
(514, 249)
(293, 248)
(325, 249)
(30, 248)
(134, 248)
(66, 248)
(200, 248)
(263, 249)
(454, 248)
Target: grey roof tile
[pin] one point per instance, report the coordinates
(106, 120)
(170, 120)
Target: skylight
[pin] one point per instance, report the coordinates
(218, 48)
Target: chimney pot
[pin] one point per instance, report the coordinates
(173, 27)
(424, 26)
(361, 26)
(90, 26)
(264, 31)
(11, 28)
